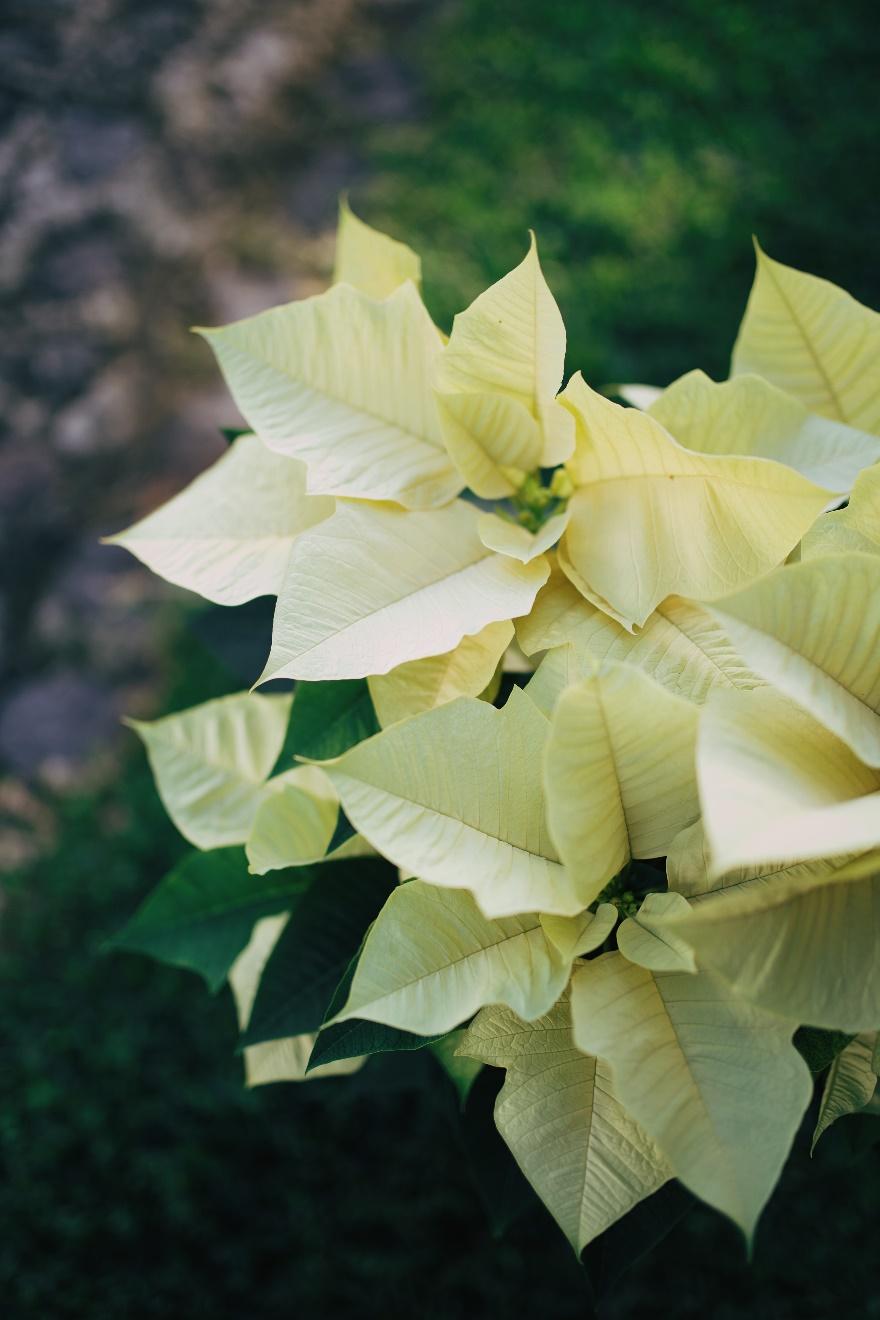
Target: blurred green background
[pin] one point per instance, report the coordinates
(179, 161)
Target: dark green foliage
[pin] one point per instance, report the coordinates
(316, 946)
(326, 719)
(202, 914)
(820, 1048)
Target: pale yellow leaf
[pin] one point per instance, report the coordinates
(644, 940)
(558, 1111)
(373, 588)
(857, 527)
(850, 1083)
(342, 382)
(814, 341)
(421, 685)
(689, 867)
(432, 959)
(497, 379)
(619, 773)
(455, 796)
(294, 822)
(370, 260)
(749, 416)
(813, 631)
(776, 786)
(651, 519)
(802, 946)
(509, 538)
(211, 763)
(680, 645)
(228, 534)
(713, 1080)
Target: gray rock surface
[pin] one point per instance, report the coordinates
(162, 163)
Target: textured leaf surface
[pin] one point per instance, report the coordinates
(509, 538)
(372, 589)
(497, 378)
(323, 934)
(680, 645)
(211, 763)
(813, 631)
(777, 786)
(432, 959)
(689, 866)
(312, 378)
(714, 1081)
(857, 527)
(645, 940)
(850, 1083)
(277, 1060)
(619, 773)
(370, 260)
(803, 947)
(202, 914)
(814, 341)
(455, 796)
(651, 519)
(228, 534)
(748, 415)
(295, 821)
(421, 685)
(587, 1159)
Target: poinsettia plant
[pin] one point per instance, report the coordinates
(575, 768)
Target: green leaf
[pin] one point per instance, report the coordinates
(317, 944)
(202, 914)
(350, 1040)
(326, 719)
(461, 1071)
(284, 1060)
(818, 1047)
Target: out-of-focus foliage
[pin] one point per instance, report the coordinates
(643, 143)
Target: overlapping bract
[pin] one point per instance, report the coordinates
(705, 643)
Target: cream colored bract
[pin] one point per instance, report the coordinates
(580, 774)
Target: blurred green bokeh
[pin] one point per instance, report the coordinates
(644, 143)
